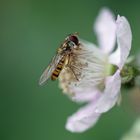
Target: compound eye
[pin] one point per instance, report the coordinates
(74, 39)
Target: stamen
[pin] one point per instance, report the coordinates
(89, 65)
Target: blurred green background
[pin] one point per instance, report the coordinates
(30, 33)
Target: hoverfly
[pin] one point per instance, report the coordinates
(61, 59)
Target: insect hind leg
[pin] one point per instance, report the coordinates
(69, 65)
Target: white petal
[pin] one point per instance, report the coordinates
(83, 119)
(115, 57)
(124, 39)
(111, 93)
(105, 28)
(82, 95)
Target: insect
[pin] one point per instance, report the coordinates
(61, 59)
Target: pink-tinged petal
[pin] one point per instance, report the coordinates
(83, 119)
(105, 28)
(124, 39)
(82, 95)
(115, 57)
(111, 93)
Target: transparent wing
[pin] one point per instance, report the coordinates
(48, 71)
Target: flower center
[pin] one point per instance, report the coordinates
(89, 67)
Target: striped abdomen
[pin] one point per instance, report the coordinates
(58, 69)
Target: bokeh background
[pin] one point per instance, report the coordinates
(30, 33)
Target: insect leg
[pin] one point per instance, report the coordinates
(70, 67)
